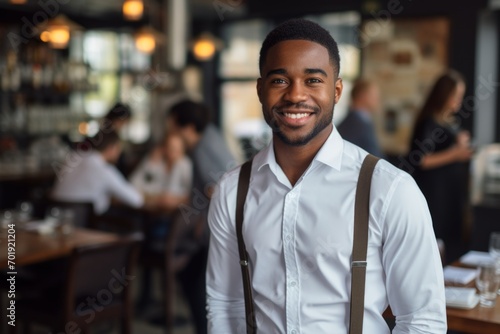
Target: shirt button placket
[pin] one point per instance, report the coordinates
(292, 291)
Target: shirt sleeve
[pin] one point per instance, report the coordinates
(225, 299)
(120, 188)
(412, 264)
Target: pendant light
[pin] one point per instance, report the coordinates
(133, 9)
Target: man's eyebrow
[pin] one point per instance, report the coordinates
(315, 71)
(307, 71)
(276, 71)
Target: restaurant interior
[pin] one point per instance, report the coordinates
(67, 65)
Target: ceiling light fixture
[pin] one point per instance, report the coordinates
(205, 46)
(133, 9)
(58, 31)
(146, 39)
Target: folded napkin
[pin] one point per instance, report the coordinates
(475, 258)
(465, 298)
(459, 275)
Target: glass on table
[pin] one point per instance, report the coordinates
(67, 221)
(24, 212)
(53, 214)
(494, 249)
(495, 245)
(487, 283)
(6, 218)
(62, 219)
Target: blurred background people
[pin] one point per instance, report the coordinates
(211, 159)
(166, 172)
(357, 127)
(442, 149)
(93, 178)
(116, 119)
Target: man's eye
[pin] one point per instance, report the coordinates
(314, 80)
(278, 81)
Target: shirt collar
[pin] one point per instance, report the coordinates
(96, 156)
(329, 154)
(332, 150)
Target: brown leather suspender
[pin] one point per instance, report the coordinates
(243, 183)
(360, 245)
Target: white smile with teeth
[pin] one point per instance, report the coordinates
(296, 116)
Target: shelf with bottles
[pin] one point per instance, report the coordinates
(35, 139)
(42, 74)
(20, 115)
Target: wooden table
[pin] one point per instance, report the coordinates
(34, 248)
(479, 320)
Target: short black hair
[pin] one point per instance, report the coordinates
(103, 139)
(120, 111)
(301, 29)
(188, 112)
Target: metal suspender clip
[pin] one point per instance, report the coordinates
(356, 264)
(244, 263)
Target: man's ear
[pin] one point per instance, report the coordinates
(259, 89)
(339, 87)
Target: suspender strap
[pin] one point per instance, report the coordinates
(243, 183)
(360, 244)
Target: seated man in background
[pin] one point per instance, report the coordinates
(358, 127)
(93, 178)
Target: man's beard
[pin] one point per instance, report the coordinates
(324, 121)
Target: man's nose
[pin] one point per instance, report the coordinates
(296, 93)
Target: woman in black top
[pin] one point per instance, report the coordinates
(442, 149)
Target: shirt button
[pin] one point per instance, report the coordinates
(293, 284)
(288, 237)
(291, 195)
(294, 331)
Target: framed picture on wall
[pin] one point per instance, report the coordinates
(403, 57)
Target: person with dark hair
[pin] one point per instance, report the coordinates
(211, 159)
(298, 256)
(91, 177)
(357, 127)
(301, 30)
(442, 150)
(116, 118)
(205, 144)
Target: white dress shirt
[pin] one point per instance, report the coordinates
(92, 179)
(154, 177)
(299, 240)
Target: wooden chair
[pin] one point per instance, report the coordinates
(98, 288)
(167, 260)
(120, 219)
(83, 211)
(34, 278)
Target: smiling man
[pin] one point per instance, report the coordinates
(299, 214)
